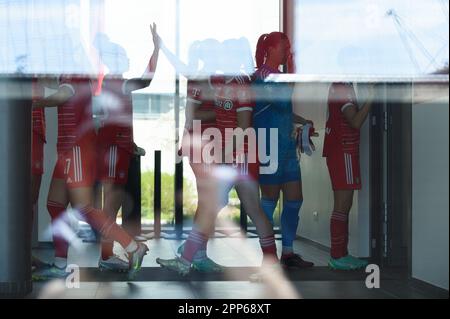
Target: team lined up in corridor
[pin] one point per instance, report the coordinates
(223, 98)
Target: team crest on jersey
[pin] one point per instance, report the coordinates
(195, 92)
(228, 105)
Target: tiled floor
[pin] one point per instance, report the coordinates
(240, 255)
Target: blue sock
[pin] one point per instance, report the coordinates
(268, 206)
(289, 222)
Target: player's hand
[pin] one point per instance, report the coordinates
(156, 38)
(139, 151)
(315, 134)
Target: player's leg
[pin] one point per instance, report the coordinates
(206, 214)
(114, 175)
(57, 202)
(205, 217)
(270, 194)
(35, 188)
(82, 175)
(248, 193)
(37, 170)
(292, 203)
(343, 200)
(344, 174)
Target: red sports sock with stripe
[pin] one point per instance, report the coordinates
(195, 242)
(269, 249)
(107, 249)
(56, 211)
(107, 227)
(339, 234)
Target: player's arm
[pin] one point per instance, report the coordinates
(147, 76)
(194, 113)
(356, 117)
(181, 67)
(204, 115)
(244, 121)
(246, 104)
(64, 93)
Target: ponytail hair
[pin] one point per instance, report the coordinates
(266, 41)
(261, 50)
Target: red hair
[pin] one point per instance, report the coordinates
(265, 42)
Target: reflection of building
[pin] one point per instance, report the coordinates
(153, 105)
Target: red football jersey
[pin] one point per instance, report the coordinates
(339, 135)
(232, 95)
(201, 93)
(75, 116)
(117, 120)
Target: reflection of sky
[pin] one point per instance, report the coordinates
(349, 36)
(45, 35)
(334, 37)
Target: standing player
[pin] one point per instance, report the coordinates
(115, 136)
(74, 176)
(200, 108)
(233, 109)
(200, 103)
(341, 149)
(274, 110)
(37, 156)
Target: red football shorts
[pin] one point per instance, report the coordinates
(114, 163)
(344, 171)
(77, 166)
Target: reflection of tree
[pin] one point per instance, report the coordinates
(189, 200)
(167, 198)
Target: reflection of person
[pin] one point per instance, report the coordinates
(233, 109)
(38, 141)
(74, 176)
(201, 65)
(341, 149)
(274, 110)
(115, 135)
(37, 151)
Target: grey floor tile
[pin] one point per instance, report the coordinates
(230, 252)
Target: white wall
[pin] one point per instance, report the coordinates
(311, 103)
(430, 209)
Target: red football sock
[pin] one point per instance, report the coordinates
(107, 249)
(56, 211)
(106, 226)
(269, 249)
(339, 234)
(195, 242)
